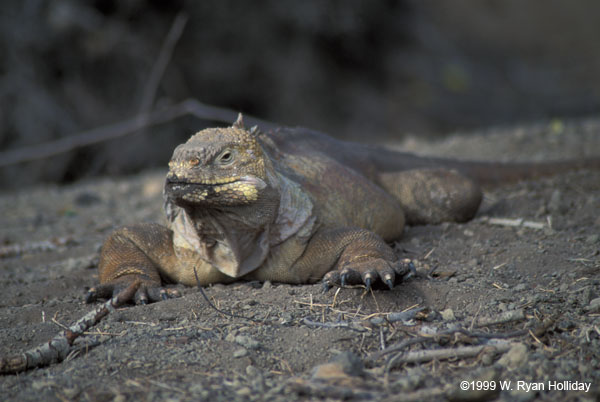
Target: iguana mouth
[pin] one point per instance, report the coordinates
(229, 190)
(204, 182)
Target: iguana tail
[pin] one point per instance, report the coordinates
(491, 173)
(484, 173)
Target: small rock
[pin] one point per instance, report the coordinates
(343, 368)
(586, 296)
(244, 391)
(516, 356)
(267, 285)
(520, 287)
(594, 305)
(448, 315)
(230, 337)
(286, 318)
(556, 204)
(252, 371)
(70, 393)
(592, 239)
(86, 199)
(413, 378)
(241, 352)
(247, 342)
(351, 364)
(41, 384)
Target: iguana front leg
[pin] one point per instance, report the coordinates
(350, 256)
(132, 253)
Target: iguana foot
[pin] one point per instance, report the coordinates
(368, 271)
(148, 292)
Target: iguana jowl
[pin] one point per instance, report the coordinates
(289, 205)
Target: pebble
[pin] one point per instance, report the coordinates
(515, 356)
(350, 363)
(592, 239)
(70, 393)
(247, 342)
(244, 391)
(87, 198)
(594, 305)
(286, 318)
(241, 352)
(252, 371)
(556, 204)
(520, 287)
(341, 367)
(230, 337)
(448, 315)
(38, 385)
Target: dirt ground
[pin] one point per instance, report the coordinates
(542, 276)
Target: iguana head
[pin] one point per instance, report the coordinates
(219, 167)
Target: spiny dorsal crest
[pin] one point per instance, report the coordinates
(239, 123)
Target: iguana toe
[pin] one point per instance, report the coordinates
(405, 268)
(368, 281)
(99, 292)
(367, 271)
(157, 293)
(151, 294)
(147, 293)
(331, 279)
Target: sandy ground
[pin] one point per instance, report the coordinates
(542, 276)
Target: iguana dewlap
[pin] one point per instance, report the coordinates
(288, 205)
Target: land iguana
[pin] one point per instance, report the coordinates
(295, 206)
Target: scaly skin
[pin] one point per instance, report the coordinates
(289, 205)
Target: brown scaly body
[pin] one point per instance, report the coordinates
(292, 206)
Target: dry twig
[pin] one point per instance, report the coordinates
(462, 352)
(162, 62)
(130, 126)
(58, 348)
(502, 318)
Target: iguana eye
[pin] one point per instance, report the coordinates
(226, 157)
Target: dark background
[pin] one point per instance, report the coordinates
(361, 70)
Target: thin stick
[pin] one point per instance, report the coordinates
(502, 318)
(158, 70)
(435, 337)
(462, 352)
(126, 127)
(218, 310)
(58, 348)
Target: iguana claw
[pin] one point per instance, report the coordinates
(344, 279)
(368, 282)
